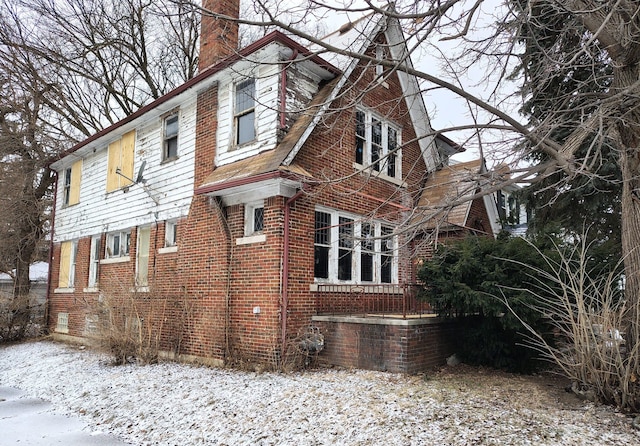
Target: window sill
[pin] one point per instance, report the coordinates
(140, 289)
(63, 290)
(381, 175)
(91, 289)
(259, 238)
(70, 205)
(170, 159)
(122, 259)
(62, 330)
(167, 249)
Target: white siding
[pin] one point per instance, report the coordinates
(166, 195)
(266, 73)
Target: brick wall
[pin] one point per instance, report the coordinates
(405, 346)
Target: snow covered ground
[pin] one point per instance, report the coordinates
(177, 404)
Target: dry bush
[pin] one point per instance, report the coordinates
(129, 326)
(303, 350)
(589, 318)
(20, 317)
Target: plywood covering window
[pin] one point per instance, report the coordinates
(68, 252)
(71, 189)
(120, 162)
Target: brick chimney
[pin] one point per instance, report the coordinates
(218, 37)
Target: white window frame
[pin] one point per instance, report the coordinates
(239, 114)
(66, 188)
(72, 264)
(378, 168)
(170, 234)
(94, 262)
(357, 249)
(124, 245)
(167, 138)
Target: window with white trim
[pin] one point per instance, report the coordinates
(377, 144)
(118, 244)
(71, 185)
(353, 250)
(253, 218)
(170, 233)
(94, 262)
(142, 256)
(170, 139)
(244, 112)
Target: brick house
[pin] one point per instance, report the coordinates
(236, 209)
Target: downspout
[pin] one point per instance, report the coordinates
(283, 90)
(285, 270)
(227, 298)
(50, 267)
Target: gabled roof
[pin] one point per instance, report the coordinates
(357, 37)
(446, 186)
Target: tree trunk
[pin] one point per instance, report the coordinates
(627, 131)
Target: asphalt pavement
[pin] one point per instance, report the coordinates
(30, 421)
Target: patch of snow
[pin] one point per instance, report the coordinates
(178, 404)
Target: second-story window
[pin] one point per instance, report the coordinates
(170, 148)
(377, 145)
(71, 188)
(244, 111)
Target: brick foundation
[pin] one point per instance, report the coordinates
(392, 345)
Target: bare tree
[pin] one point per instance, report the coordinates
(67, 70)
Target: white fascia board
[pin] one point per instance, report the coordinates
(492, 212)
(257, 191)
(345, 76)
(413, 97)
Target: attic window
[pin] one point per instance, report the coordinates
(244, 112)
(377, 145)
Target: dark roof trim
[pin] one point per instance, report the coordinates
(275, 36)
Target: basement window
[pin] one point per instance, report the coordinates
(63, 323)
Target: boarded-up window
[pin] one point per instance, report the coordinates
(67, 264)
(120, 162)
(144, 237)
